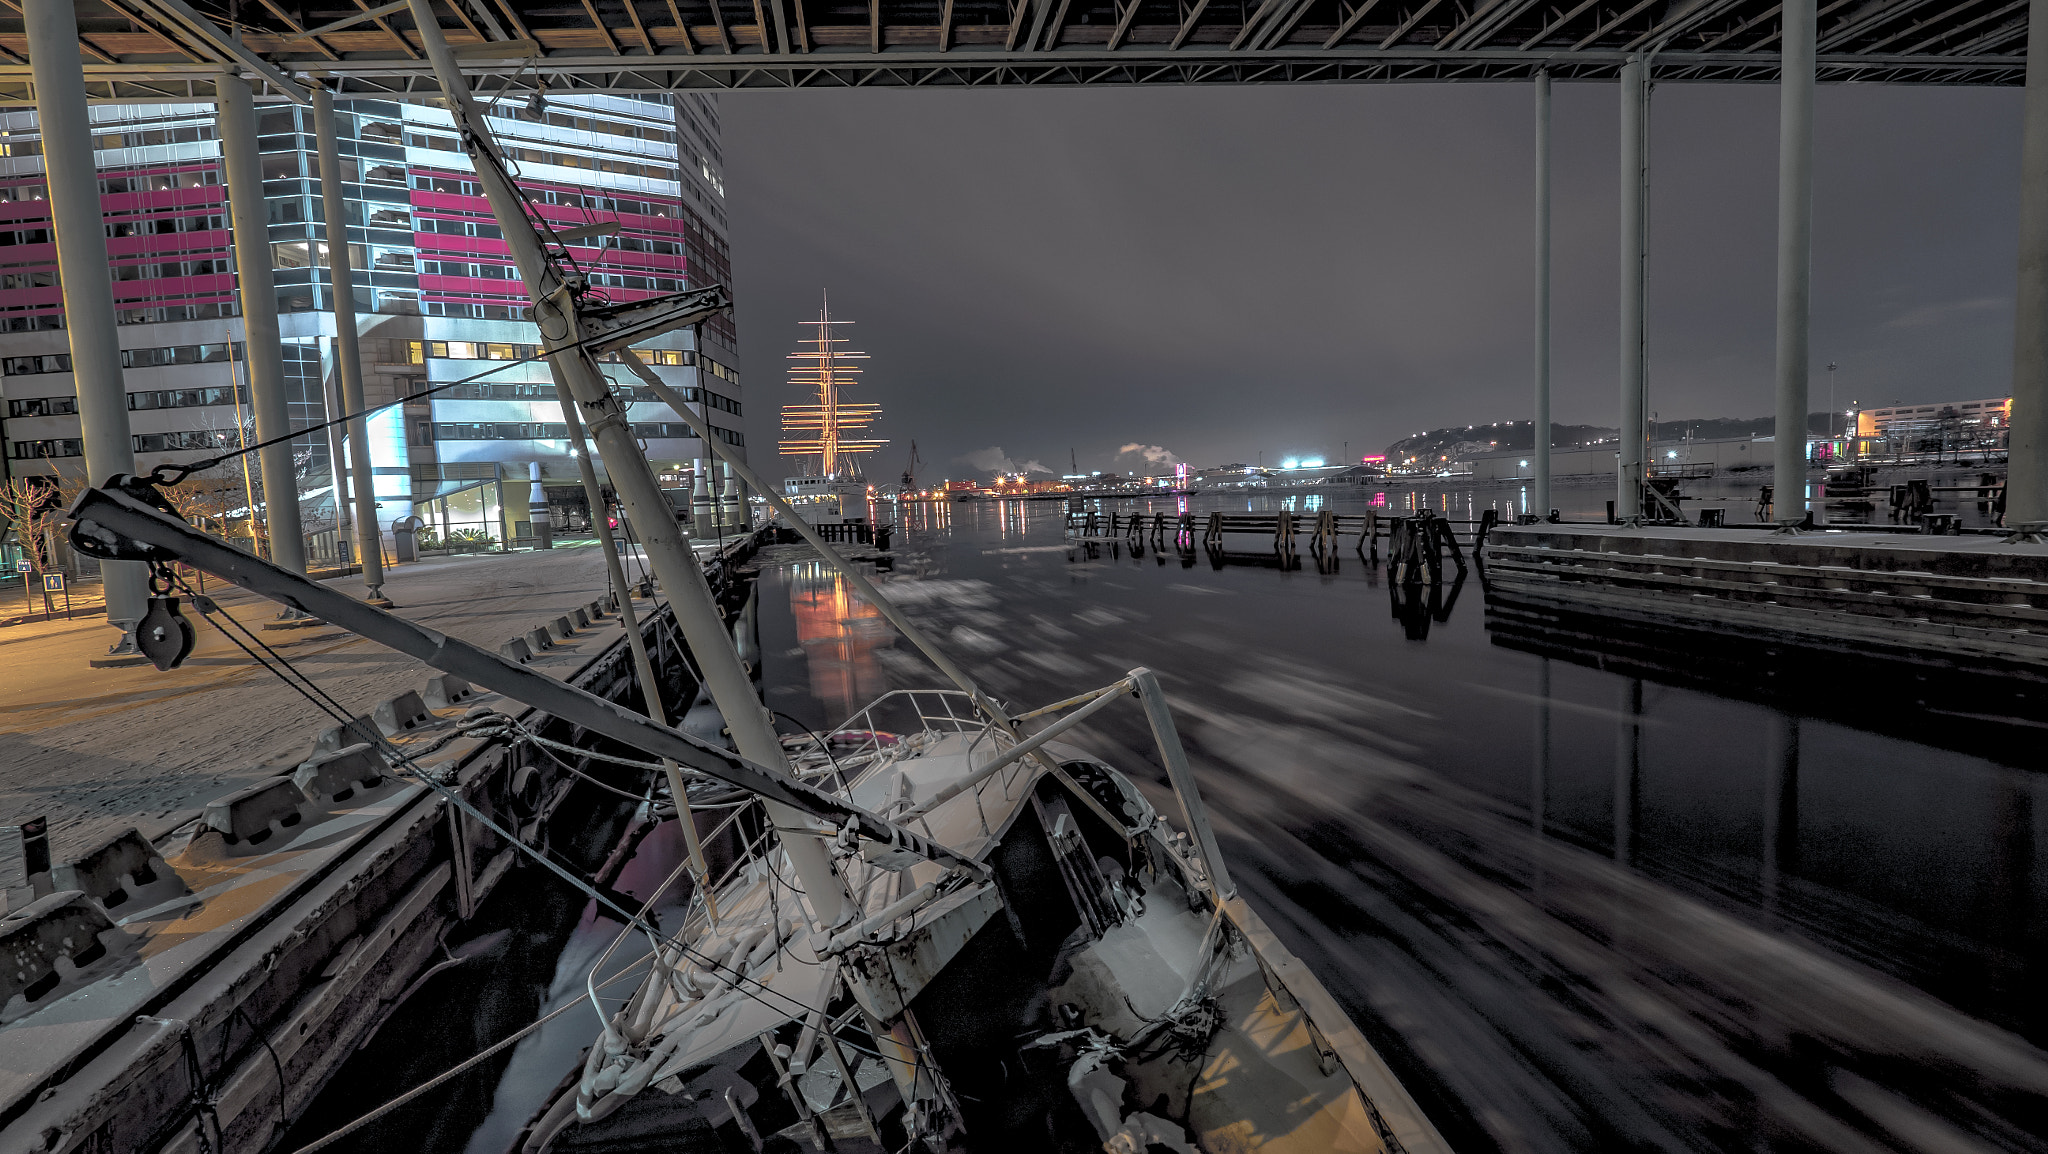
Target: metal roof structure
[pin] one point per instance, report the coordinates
(158, 49)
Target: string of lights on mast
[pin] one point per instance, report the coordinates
(820, 428)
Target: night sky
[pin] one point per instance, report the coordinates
(1228, 271)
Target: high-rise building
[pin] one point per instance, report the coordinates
(437, 298)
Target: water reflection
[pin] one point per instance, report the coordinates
(839, 634)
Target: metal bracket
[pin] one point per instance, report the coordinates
(608, 328)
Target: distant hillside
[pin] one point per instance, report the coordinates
(1459, 442)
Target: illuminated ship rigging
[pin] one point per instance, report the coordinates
(821, 428)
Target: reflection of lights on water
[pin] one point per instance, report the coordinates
(839, 633)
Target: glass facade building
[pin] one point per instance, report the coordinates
(436, 296)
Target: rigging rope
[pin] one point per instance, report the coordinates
(738, 979)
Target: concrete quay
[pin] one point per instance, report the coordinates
(201, 980)
(1974, 602)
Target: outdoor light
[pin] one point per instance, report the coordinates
(1312, 463)
(1290, 463)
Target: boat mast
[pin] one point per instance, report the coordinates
(558, 313)
(821, 426)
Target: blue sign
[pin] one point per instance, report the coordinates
(24, 567)
(53, 583)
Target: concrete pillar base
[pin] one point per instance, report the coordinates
(1790, 528)
(2028, 533)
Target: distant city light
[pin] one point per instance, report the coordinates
(1291, 463)
(1312, 463)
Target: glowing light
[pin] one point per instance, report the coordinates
(1312, 463)
(1291, 463)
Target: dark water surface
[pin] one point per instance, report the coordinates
(1577, 909)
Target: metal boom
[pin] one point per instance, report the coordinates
(109, 523)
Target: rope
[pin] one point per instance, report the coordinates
(739, 979)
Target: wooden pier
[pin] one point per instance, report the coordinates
(1419, 545)
(1976, 601)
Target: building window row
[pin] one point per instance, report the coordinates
(187, 440)
(130, 359)
(417, 352)
(552, 431)
(172, 268)
(45, 449)
(137, 402)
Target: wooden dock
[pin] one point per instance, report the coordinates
(1949, 601)
(1419, 545)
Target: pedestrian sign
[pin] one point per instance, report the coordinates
(53, 583)
(24, 567)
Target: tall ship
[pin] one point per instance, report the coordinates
(825, 432)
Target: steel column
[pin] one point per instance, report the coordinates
(2026, 490)
(348, 356)
(1795, 259)
(1540, 427)
(258, 291)
(88, 286)
(1635, 196)
(681, 576)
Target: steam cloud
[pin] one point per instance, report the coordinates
(1156, 455)
(994, 460)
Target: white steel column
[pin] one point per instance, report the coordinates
(348, 356)
(258, 291)
(2026, 488)
(1635, 195)
(88, 285)
(1795, 259)
(1540, 451)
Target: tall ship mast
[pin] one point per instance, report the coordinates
(821, 427)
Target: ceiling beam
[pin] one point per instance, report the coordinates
(1188, 25)
(590, 10)
(1763, 17)
(1409, 24)
(182, 13)
(803, 28)
(1552, 28)
(724, 33)
(1282, 27)
(874, 26)
(299, 31)
(1058, 25)
(1123, 21)
(946, 26)
(690, 42)
(1350, 22)
(1945, 33)
(1258, 18)
(1612, 22)
(639, 28)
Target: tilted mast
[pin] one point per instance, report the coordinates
(574, 332)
